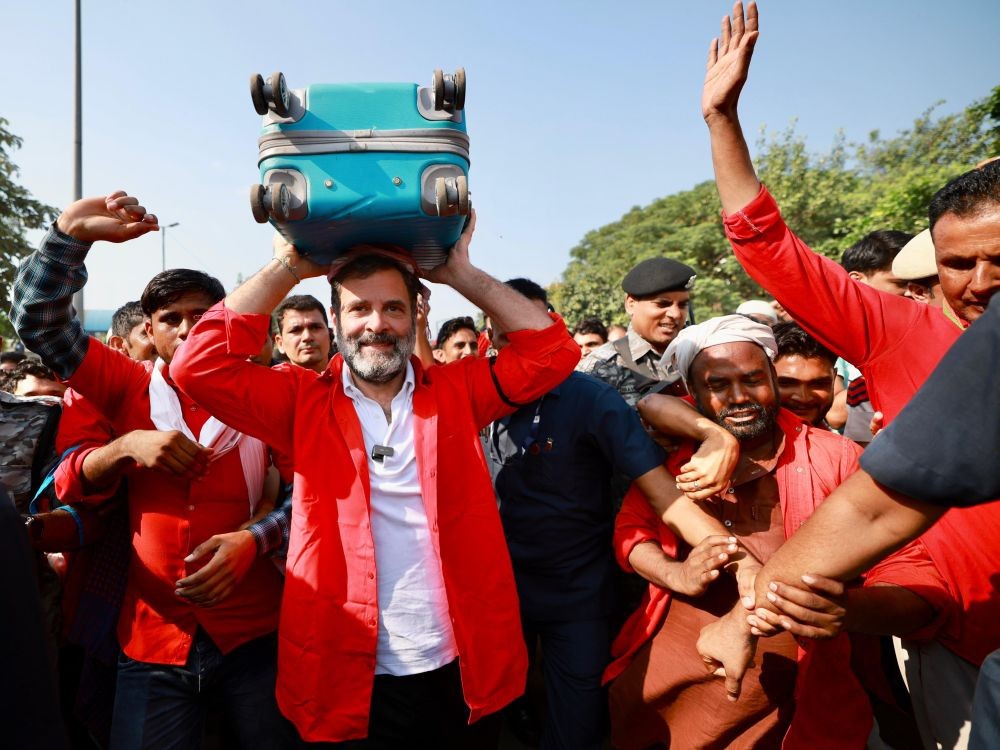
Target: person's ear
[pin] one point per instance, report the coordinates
(918, 292)
(438, 356)
(858, 276)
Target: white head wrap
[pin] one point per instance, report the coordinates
(726, 329)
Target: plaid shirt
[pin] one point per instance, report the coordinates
(271, 532)
(42, 313)
(42, 310)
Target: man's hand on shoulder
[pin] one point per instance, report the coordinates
(114, 218)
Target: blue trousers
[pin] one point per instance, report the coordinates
(985, 733)
(163, 706)
(574, 655)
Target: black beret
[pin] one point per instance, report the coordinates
(655, 275)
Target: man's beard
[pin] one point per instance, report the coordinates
(371, 365)
(762, 424)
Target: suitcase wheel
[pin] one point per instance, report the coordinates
(257, 94)
(281, 100)
(257, 203)
(459, 89)
(451, 195)
(273, 201)
(449, 91)
(279, 201)
(270, 94)
(462, 183)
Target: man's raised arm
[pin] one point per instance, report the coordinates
(727, 69)
(42, 311)
(212, 366)
(507, 308)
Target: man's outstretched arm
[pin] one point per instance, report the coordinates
(858, 525)
(42, 310)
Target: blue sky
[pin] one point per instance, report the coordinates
(577, 111)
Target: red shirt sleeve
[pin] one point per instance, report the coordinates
(212, 368)
(913, 569)
(636, 523)
(84, 427)
(534, 363)
(854, 320)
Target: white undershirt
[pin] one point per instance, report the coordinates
(414, 627)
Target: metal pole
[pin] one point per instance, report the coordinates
(78, 146)
(163, 244)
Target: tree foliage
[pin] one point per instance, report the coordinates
(19, 212)
(831, 199)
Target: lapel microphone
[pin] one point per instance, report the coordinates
(379, 452)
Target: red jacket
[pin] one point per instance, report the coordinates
(329, 616)
(832, 711)
(952, 567)
(894, 341)
(169, 517)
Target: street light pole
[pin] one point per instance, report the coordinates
(163, 244)
(78, 145)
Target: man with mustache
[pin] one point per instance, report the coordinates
(303, 332)
(661, 692)
(400, 622)
(657, 295)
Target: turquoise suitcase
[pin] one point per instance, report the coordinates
(363, 163)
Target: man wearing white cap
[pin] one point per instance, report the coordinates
(786, 469)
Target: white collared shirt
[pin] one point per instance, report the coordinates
(414, 629)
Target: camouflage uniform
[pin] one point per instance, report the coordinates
(606, 363)
(27, 447)
(27, 434)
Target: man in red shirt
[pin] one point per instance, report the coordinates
(400, 620)
(894, 343)
(190, 478)
(786, 469)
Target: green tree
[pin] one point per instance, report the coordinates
(831, 199)
(19, 212)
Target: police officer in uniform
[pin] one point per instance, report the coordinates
(657, 297)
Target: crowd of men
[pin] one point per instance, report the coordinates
(231, 524)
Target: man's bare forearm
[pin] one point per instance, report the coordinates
(105, 465)
(735, 177)
(681, 514)
(649, 560)
(676, 417)
(508, 309)
(858, 525)
(262, 292)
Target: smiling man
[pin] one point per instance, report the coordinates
(805, 374)
(660, 691)
(400, 621)
(657, 295)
